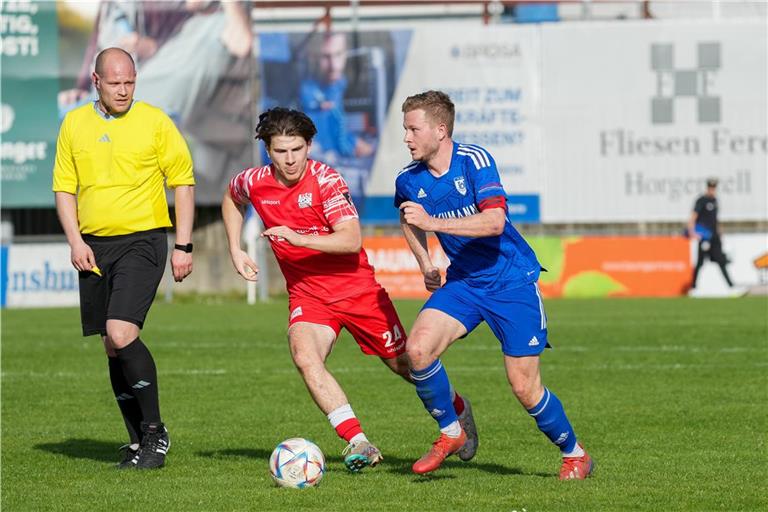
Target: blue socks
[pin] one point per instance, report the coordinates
(434, 389)
(551, 419)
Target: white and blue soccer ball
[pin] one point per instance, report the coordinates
(297, 463)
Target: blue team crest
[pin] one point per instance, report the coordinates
(460, 186)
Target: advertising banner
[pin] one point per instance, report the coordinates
(344, 82)
(492, 76)
(40, 275)
(623, 266)
(637, 115)
(576, 267)
(588, 122)
(396, 267)
(747, 256)
(194, 60)
(30, 82)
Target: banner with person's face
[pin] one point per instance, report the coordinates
(587, 122)
(194, 60)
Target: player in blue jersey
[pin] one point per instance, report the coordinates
(454, 191)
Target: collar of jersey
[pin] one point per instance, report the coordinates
(108, 117)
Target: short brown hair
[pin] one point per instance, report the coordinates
(284, 121)
(437, 106)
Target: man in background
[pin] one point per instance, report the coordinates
(704, 227)
(321, 97)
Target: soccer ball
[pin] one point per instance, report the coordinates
(297, 463)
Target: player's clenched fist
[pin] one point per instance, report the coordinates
(415, 215)
(432, 279)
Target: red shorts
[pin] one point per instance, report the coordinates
(370, 317)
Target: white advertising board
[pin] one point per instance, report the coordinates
(745, 252)
(491, 74)
(636, 115)
(41, 275)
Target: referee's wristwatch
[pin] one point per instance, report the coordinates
(184, 247)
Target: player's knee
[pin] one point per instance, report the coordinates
(304, 360)
(419, 355)
(119, 338)
(525, 390)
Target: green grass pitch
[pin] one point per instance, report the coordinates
(669, 396)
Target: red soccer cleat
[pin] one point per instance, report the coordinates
(576, 468)
(442, 448)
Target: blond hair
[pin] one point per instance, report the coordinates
(437, 106)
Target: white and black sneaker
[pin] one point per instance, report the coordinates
(130, 458)
(155, 444)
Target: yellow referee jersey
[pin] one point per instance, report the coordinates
(117, 166)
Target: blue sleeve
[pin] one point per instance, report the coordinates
(400, 196)
(487, 182)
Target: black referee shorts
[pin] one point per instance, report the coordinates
(131, 268)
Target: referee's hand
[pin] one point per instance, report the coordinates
(181, 264)
(82, 258)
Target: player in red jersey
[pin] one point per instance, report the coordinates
(313, 228)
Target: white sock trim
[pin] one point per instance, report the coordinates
(452, 430)
(340, 415)
(578, 451)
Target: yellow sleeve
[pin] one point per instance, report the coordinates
(173, 154)
(64, 171)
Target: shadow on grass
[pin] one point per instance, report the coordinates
(391, 464)
(249, 453)
(102, 451)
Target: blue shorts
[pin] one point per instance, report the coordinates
(516, 316)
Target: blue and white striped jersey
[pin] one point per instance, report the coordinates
(471, 185)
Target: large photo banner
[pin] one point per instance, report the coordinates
(194, 60)
(344, 82)
(492, 76)
(30, 81)
(588, 122)
(637, 115)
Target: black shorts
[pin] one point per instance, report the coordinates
(131, 268)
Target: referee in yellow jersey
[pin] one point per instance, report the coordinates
(113, 158)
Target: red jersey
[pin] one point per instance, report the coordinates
(312, 206)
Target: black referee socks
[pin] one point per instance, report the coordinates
(126, 400)
(141, 375)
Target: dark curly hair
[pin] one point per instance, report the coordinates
(284, 121)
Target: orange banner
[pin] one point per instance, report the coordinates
(396, 267)
(577, 267)
(614, 266)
